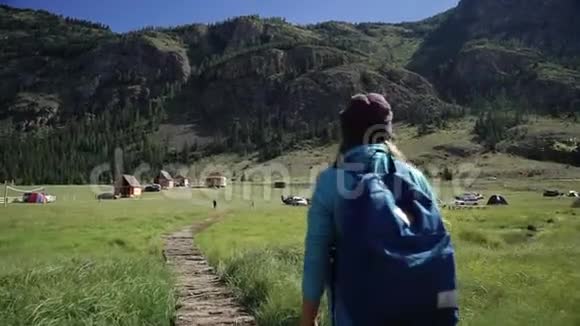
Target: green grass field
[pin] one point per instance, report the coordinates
(81, 262)
(84, 262)
(508, 275)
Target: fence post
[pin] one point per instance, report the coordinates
(5, 193)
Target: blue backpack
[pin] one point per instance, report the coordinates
(385, 270)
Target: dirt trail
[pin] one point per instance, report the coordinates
(202, 298)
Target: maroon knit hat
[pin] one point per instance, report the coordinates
(367, 119)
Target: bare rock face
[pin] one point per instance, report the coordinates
(410, 80)
(487, 47)
(522, 73)
(245, 30)
(306, 84)
(33, 111)
(543, 24)
(484, 64)
(134, 63)
(554, 146)
(265, 63)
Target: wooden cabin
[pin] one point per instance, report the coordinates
(181, 181)
(127, 186)
(216, 180)
(165, 180)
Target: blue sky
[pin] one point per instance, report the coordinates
(124, 15)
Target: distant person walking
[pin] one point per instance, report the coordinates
(375, 235)
(214, 204)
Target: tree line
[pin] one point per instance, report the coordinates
(68, 154)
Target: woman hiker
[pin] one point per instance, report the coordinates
(375, 237)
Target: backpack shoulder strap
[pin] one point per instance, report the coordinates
(388, 165)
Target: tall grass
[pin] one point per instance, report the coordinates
(84, 262)
(268, 282)
(508, 275)
(118, 290)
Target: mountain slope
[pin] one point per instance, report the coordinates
(75, 87)
(250, 84)
(527, 49)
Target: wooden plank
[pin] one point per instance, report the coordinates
(202, 298)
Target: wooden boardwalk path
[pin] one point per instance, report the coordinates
(203, 299)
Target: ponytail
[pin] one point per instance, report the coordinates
(391, 148)
(394, 150)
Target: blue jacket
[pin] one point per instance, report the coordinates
(321, 228)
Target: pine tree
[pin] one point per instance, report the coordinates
(447, 174)
(184, 155)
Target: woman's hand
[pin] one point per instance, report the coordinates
(308, 323)
(309, 313)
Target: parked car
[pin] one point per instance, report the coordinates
(552, 193)
(295, 201)
(107, 196)
(470, 196)
(458, 202)
(153, 188)
(300, 202)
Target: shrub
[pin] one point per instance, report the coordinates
(425, 129)
(496, 118)
(447, 174)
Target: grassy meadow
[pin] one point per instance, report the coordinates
(518, 265)
(84, 262)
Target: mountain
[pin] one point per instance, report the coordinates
(527, 49)
(72, 91)
(523, 50)
(75, 88)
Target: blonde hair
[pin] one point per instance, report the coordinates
(395, 151)
(391, 148)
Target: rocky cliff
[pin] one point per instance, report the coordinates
(527, 49)
(239, 69)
